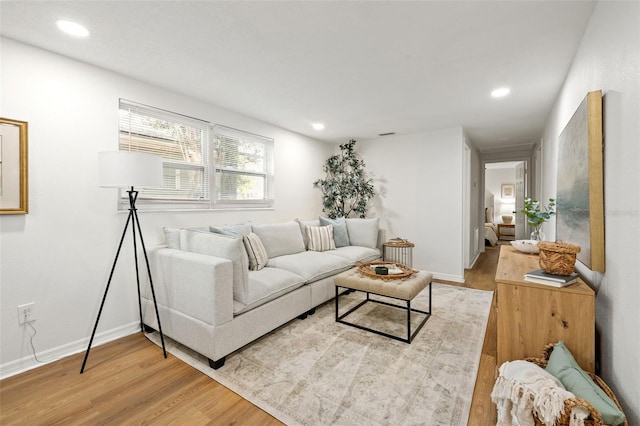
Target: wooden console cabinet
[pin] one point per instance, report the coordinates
(532, 315)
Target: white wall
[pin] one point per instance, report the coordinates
(609, 59)
(59, 254)
(420, 180)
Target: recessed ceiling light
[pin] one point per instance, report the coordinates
(318, 126)
(72, 28)
(500, 92)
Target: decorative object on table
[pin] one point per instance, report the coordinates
(14, 188)
(539, 276)
(526, 246)
(127, 169)
(507, 218)
(580, 192)
(382, 270)
(508, 190)
(398, 250)
(537, 215)
(558, 258)
(395, 271)
(345, 190)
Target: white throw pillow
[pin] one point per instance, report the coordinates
(255, 250)
(320, 238)
(172, 237)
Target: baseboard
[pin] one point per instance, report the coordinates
(28, 363)
(448, 277)
(475, 259)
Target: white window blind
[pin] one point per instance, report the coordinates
(183, 144)
(244, 172)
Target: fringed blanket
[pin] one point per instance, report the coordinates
(523, 390)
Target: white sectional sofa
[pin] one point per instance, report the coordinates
(210, 301)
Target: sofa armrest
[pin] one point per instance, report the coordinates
(196, 285)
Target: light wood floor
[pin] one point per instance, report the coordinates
(129, 382)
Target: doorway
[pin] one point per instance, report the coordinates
(505, 187)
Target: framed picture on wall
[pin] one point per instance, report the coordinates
(13, 167)
(580, 199)
(508, 190)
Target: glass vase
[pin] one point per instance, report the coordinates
(537, 234)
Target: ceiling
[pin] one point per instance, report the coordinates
(360, 67)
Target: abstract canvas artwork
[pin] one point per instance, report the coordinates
(580, 197)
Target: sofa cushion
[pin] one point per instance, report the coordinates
(340, 232)
(267, 284)
(363, 232)
(280, 239)
(320, 238)
(223, 246)
(239, 230)
(563, 365)
(303, 228)
(172, 237)
(357, 254)
(255, 251)
(311, 265)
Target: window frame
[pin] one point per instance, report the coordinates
(209, 167)
(268, 172)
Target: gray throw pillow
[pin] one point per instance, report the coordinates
(340, 232)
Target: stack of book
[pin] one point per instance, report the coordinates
(540, 277)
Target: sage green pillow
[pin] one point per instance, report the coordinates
(340, 232)
(563, 366)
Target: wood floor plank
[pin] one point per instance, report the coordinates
(128, 381)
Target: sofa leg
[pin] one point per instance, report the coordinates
(148, 329)
(312, 311)
(303, 316)
(217, 364)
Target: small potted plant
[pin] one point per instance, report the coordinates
(537, 215)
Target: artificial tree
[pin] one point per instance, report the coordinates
(345, 190)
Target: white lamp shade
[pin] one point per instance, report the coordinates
(124, 169)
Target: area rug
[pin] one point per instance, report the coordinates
(319, 372)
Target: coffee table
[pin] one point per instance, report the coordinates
(405, 290)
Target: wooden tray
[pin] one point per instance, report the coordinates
(365, 269)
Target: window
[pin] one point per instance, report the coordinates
(204, 167)
(243, 168)
(182, 143)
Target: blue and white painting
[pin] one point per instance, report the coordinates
(573, 220)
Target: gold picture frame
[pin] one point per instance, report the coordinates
(508, 190)
(580, 188)
(14, 192)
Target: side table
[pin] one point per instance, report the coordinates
(399, 251)
(506, 231)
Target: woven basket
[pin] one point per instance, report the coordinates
(594, 415)
(557, 258)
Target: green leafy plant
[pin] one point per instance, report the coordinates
(536, 214)
(346, 189)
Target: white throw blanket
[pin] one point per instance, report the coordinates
(524, 389)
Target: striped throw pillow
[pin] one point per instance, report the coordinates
(255, 250)
(320, 238)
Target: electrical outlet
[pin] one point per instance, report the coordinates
(26, 313)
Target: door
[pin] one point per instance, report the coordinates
(521, 182)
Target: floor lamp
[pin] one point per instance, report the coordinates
(126, 169)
